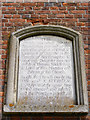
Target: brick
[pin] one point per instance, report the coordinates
(54, 20)
(63, 11)
(10, 4)
(69, 24)
(81, 24)
(7, 16)
(88, 67)
(19, 8)
(65, 4)
(62, 8)
(1, 100)
(1, 41)
(88, 76)
(34, 16)
(45, 21)
(85, 28)
(77, 11)
(72, 4)
(84, 4)
(11, 8)
(86, 16)
(36, 8)
(4, 20)
(27, 4)
(82, 8)
(28, 8)
(51, 16)
(57, 4)
(38, 23)
(4, 28)
(5, 32)
(87, 11)
(2, 51)
(87, 57)
(88, 93)
(18, 24)
(44, 8)
(68, 16)
(78, 16)
(8, 24)
(26, 16)
(1, 93)
(11, 29)
(88, 82)
(4, 46)
(1, 73)
(55, 12)
(2, 61)
(86, 33)
(87, 51)
(17, 20)
(2, 77)
(9, 12)
(3, 56)
(42, 12)
(60, 12)
(25, 12)
(40, 4)
(60, 16)
(35, 20)
(0, 105)
(43, 16)
(16, 16)
(71, 8)
(87, 61)
(69, 20)
(4, 8)
(54, 8)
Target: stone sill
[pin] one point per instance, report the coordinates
(77, 109)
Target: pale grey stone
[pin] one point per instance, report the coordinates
(46, 71)
(55, 42)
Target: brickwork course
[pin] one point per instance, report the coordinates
(17, 14)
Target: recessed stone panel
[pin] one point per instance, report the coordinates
(46, 72)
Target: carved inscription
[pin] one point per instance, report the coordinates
(46, 72)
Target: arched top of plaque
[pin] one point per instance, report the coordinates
(74, 54)
(47, 30)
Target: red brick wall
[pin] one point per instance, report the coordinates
(17, 15)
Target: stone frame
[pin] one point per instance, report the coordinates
(79, 65)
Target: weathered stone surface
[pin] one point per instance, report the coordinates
(46, 75)
(41, 66)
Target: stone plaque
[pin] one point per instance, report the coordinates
(46, 72)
